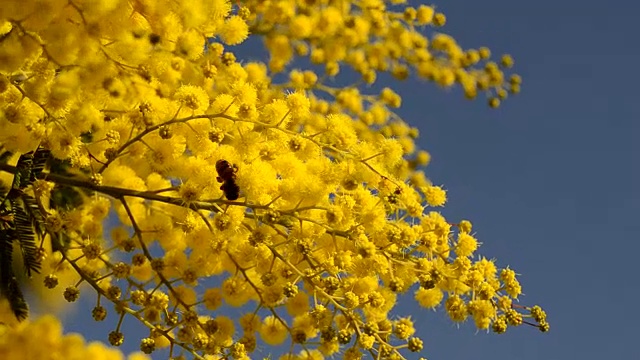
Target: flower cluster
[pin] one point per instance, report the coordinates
(372, 37)
(331, 217)
(43, 339)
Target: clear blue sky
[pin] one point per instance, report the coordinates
(548, 179)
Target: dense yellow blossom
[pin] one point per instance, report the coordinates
(43, 339)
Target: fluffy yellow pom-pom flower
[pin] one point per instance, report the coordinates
(273, 331)
(234, 31)
(429, 298)
(435, 195)
(466, 245)
(192, 97)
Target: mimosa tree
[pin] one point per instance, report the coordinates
(142, 160)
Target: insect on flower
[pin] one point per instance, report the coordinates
(227, 176)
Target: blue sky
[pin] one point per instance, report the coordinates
(548, 179)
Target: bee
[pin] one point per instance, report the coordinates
(231, 189)
(227, 176)
(225, 170)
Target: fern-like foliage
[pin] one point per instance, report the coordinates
(22, 177)
(40, 159)
(24, 233)
(21, 221)
(3, 189)
(9, 286)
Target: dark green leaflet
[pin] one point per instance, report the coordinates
(3, 189)
(9, 286)
(24, 233)
(23, 171)
(31, 208)
(21, 220)
(40, 158)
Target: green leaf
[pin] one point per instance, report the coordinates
(9, 286)
(40, 159)
(30, 165)
(23, 171)
(3, 189)
(25, 235)
(31, 208)
(4, 156)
